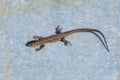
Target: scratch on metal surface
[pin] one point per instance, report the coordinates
(116, 34)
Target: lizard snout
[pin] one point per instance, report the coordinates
(28, 44)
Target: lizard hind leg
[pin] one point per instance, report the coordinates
(58, 30)
(66, 42)
(37, 37)
(40, 47)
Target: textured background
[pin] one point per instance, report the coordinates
(86, 59)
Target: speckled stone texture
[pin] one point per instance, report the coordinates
(86, 59)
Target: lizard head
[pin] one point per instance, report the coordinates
(32, 43)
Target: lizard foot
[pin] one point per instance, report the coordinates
(66, 42)
(38, 49)
(37, 37)
(58, 30)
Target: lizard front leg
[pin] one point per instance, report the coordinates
(39, 48)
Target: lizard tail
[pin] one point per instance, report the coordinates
(92, 31)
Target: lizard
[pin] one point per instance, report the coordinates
(40, 41)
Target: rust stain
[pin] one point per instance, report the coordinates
(7, 58)
(3, 8)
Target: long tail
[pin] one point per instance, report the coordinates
(92, 31)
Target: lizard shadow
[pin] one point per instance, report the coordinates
(100, 39)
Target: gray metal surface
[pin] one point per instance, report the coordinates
(86, 59)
